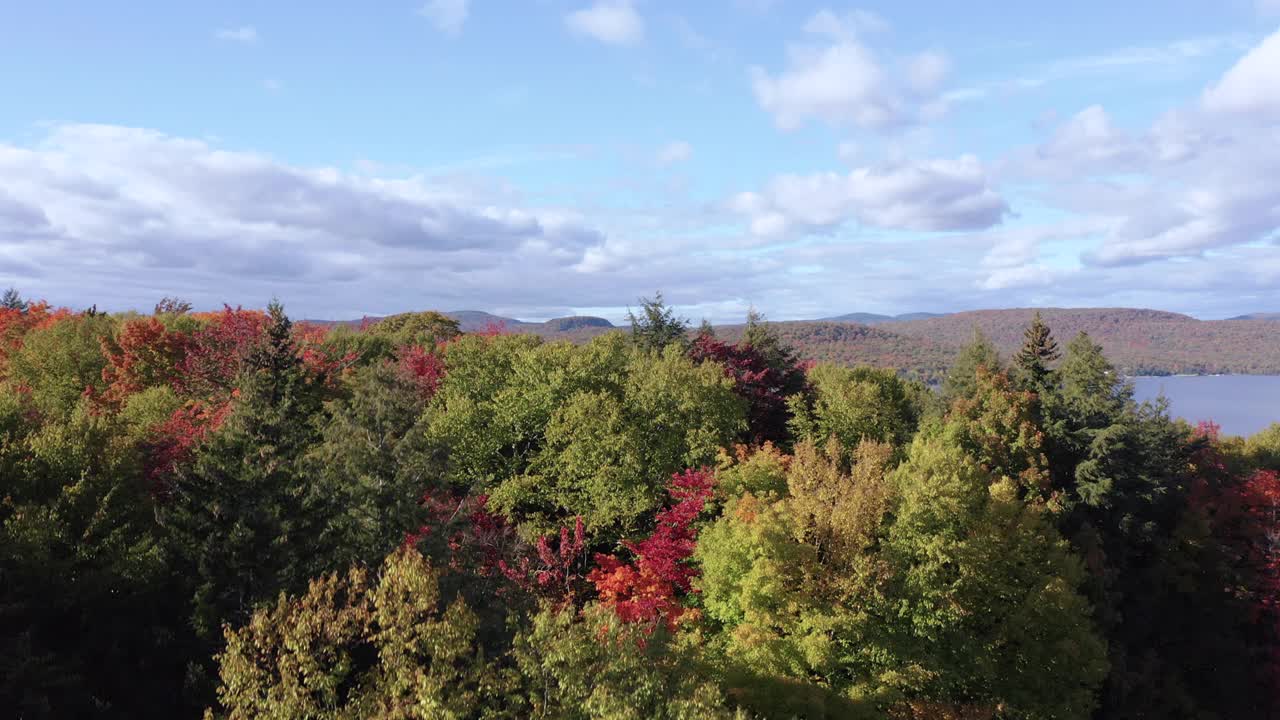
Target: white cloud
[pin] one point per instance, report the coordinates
(674, 152)
(613, 22)
(940, 194)
(927, 71)
(844, 82)
(121, 210)
(448, 16)
(246, 34)
(1252, 86)
(1199, 182)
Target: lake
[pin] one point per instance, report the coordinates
(1241, 404)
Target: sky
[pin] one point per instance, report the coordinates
(542, 158)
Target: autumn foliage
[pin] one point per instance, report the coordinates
(648, 589)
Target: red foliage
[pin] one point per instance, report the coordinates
(424, 368)
(174, 441)
(472, 539)
(647, 590)
(322, 361)
(144, 354)
(554, 575)
(764, 387)
(493, 329)
(217, 350)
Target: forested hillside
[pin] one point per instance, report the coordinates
(1139, 342)
(230, 515)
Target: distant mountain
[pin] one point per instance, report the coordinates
(922, 345)
(1258, 316)
(473, 320)
(575, 322)
(877, 319)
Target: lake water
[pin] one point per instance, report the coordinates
(1241, 404)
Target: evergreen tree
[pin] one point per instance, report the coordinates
(245, 517)
(13, 301)
(657, 326)
(706, 329)
(1038, 351)
(961, 378)
(761, 337)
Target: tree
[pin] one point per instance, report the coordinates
(172, 306)
(349, 647)
(553, 431)
(1038, 351)
(88, 602)
(12, 300)
(987, 591)
(60, 361)
(961, 377)
(648, 590)
(245, 516)
(372, 459)
(596, 667)
(657, 326)
(764, 375)
(853, 404)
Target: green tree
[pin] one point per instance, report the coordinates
(853, 404)
(657, 325)
(987, 593)
(245, 516)
(961, 380)
(1039, 350)
(593, 667)
(553, 430)
(58, 363)
(351, 648)
(373, 460)
(88, 603)
(12, 300)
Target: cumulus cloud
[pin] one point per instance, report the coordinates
(939, 194)
(674, 152)
(1252, 86)
(448, 16)
(843, 81)
(1198, 181)
(246, 34)
(613, 22)
(145, 208)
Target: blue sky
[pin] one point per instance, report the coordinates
(548, 157)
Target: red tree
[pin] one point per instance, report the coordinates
(764, 386)
(424, 368)
(174, 441)
(144, 354)
(648, 589)
(217, 350)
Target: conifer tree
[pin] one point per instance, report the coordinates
(1038, 351)
(961, 378)
(657, 326)
(12, 300)
(244, 517)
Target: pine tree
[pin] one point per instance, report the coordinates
(961, 378)
(13, 301)
(657, 325)
(244, 516)
(1038, 351)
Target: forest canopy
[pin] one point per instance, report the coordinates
(232, 515)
